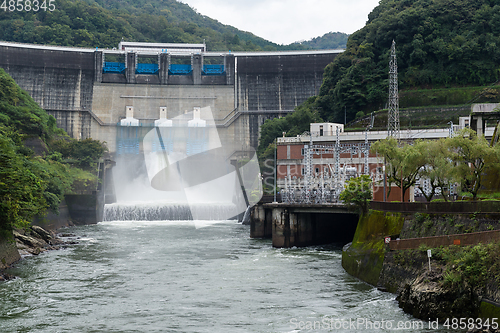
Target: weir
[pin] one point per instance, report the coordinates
(165, 211)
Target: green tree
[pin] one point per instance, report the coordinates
(439, 43)
(21, 189)
(437, 167)
(358, 191)
(81, 153)
(31, 183)
(402, 163)
(472, 153)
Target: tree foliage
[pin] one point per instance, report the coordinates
(438, 43)
(358, 191)
(461, 159)
(32, 183)
(330, 40)
(437, 168)
(104, 23)
(403, 164)
(21, 189)
(472, 153)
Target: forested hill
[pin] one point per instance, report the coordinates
(103, 23)
(438, 42)
(79, 23)
(39, 163)
(331, 40)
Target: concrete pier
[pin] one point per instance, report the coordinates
(292, 225)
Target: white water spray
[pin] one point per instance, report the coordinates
(184, 172)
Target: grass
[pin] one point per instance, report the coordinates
(474, 266)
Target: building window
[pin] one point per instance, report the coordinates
(321, 130)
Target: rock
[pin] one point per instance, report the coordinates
(42, 233)
(67, 235)
(5, 276)
(29, 241)
(426, 298)
(35, 241)
(34, 250)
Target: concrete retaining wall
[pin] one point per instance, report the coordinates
(454, 207)
(436, 241)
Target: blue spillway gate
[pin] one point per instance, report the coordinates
(213, 69)
(113, 67)
(175, 69)
(146, 68)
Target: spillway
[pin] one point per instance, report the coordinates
(163, 211)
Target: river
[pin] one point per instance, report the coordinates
(173, 277)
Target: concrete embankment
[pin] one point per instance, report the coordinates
(463, 279)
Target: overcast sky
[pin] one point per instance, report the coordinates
(288, 21)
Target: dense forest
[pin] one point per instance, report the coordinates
(104, 23)
(444, 43)
(439, 44)
(39, 162)
(331, 40)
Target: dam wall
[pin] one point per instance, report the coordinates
(73, 86)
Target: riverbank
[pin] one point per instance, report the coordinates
(462, 281)
(21, 243)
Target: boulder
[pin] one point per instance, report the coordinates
(29, 241)
(42, 233)
(426, 297)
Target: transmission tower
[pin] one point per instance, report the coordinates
(306, 189)
(393, 115)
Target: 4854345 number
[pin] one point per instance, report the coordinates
(28, 5)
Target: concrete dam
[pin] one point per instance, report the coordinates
(89, 97)
(181, 123)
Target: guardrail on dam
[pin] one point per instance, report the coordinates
(89, 91)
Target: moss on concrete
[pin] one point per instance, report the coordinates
(488, 310)
(364, 257)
